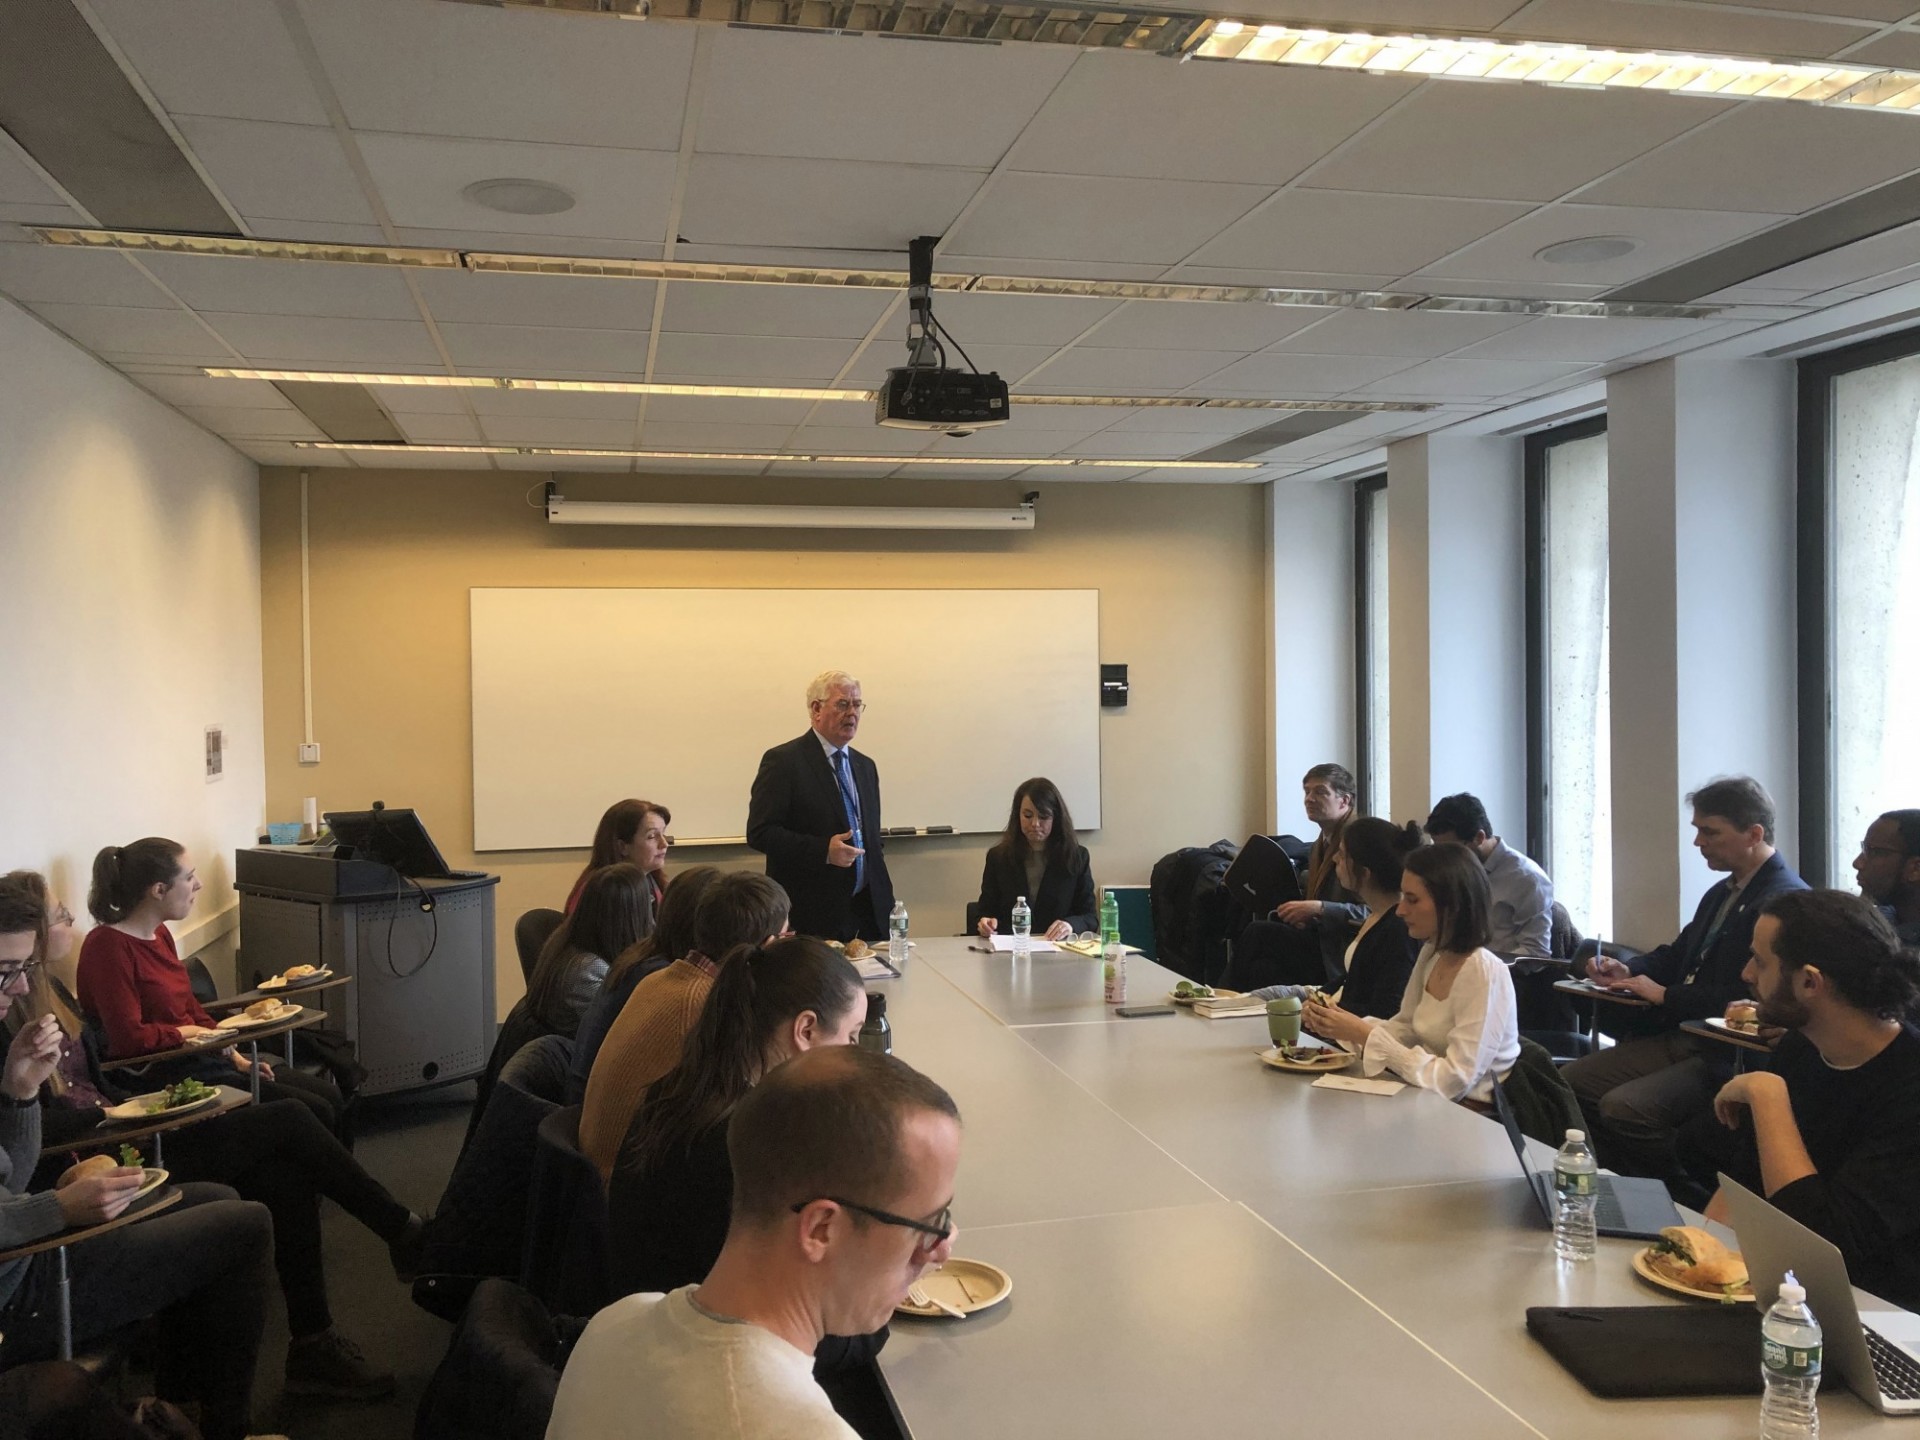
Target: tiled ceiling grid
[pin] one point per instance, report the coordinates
(363, 120)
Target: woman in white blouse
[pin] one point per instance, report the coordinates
(1457, 1028)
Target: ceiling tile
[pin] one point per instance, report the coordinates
(987, 319)
(1877, 255)
(1332, 230)
(1458, 379)
(1813, 155)
(280, 452)
(1199, 325)
(1087, 217)
(570, 301)
(673, 435)
(278, 172)
(801, 467)
(552, 405)
(1284, 377)
(844, 97)
(1589, 340)
(1387, 332)
(232, 58)
(34, 272)
(1165, 445)
(284, 423)
(1214, 425)
(1506, 142)
(752, 200)
(423, 429)
(546, 350)
(135, 331)
(1070, 420)
(532, 430)
(551, 463)
(1010, 362)
(184, 390)
(859, 440)
(709, 410)
(12, 214)
(1899, 50)
(1139, 116)
(422, 399)
(284, 287)
(1277, 279)
(600, 246)
(503, 73)
(962, 472)
(1666, 238)
(1842, 9)
(769, 358)
(1152, 371)
(307, 342)
(1000, 441)
(20, 186)
(1689, 28)
(799, 310)
(617, 193)
(324, 231)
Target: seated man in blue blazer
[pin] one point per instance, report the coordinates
(1638, 1094)
(815, 815)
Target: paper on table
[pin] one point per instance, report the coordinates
(1355, 1082)
(1004, 943)
(870, 967)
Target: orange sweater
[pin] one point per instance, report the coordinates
(644, 1043)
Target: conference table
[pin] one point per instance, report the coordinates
(1200, 1244)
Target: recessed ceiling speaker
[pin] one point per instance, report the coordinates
(519, 197)
(1588, 250)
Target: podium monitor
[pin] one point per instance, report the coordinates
(395, 837)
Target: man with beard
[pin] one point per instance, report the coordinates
(1830, 1131)
(1888, 869)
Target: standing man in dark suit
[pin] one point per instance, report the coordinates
(815, 815)
(1637, 1094)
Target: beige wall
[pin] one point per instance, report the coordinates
(1179, 569)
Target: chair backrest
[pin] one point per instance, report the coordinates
(974, 912)
(1543, 1102)
(565, 1262)
(200, 980)
(501, 1370)
(530, 935)
(1565, 937)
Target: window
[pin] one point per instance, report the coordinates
(1859, 595)
(1374, 711)
(1569, 741)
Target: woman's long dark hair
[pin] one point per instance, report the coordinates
(1462, 903)
(618, 827)
(1046, 798)
(1381, 848)
(672, 935)
(615, 910)
(761, 991)
(122, 875)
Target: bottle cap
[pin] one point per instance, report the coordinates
(876, 1006)
(1020, 900)
(1579, 1136)
(1791, 1290)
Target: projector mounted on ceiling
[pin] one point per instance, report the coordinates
(924, 394)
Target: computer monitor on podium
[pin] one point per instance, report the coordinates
(395, 837)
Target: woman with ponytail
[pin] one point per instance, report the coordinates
(672, 1189)
(132, 984)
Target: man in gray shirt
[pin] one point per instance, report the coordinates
(1522, 894)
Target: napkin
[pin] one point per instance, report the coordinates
(1355, 1082)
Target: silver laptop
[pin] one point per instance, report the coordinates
(1629, 1207)
(1880, 1362)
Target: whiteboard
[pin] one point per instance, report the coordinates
(583, 697)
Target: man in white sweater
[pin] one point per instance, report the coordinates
(843, 1169)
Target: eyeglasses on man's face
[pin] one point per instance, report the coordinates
(938, 1230)
(846, 707)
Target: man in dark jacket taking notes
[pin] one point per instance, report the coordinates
(815, 815)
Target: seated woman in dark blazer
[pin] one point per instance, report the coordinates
(1039, 857)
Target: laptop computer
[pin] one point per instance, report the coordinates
(1629, 1207)
(1880, 1362)
(1262, 876)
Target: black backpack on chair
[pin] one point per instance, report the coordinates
(1192, 910)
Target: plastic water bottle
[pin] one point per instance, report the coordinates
(1573, 1172)
(1113, 955)
(1790, 1366)
(1109, 919)
(875, 1033)
(897, 944)
(1022, 927)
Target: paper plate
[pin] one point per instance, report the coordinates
(151, 1179)
(280, 982)
(1719, 1022)
(1644, 1269)
(967, 1285)
(136, 1108)
(1218, 994)
(1335, 1060)
(244, 1021)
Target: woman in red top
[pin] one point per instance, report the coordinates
(131, 982)
(634, 831)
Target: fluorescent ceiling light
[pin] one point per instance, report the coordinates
(774, 392)
(726, 274)
(1583, 66)
(562, 511)
(761, 457)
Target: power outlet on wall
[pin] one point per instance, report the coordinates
(310, 753)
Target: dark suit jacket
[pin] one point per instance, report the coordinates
(1382, 964)
(1065, 894)
(1701, 978)
(795, 810)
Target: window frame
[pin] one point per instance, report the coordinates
(1536, 448)
(1813, 545)
(1364, 489)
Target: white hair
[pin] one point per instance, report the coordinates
(828, 681)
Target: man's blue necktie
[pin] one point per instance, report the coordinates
(851, 799)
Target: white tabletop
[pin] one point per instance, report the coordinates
(1170, 1209)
